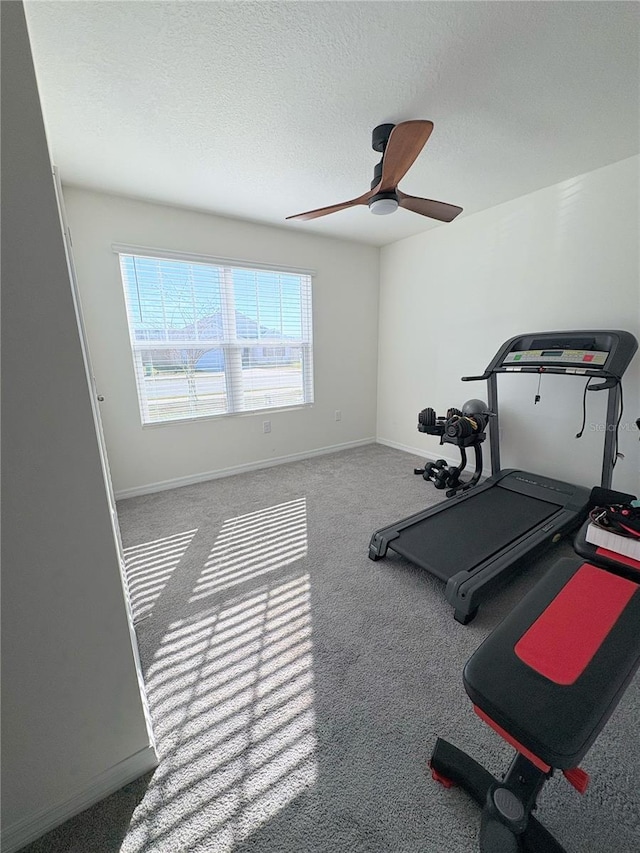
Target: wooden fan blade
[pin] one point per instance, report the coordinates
(427, 207)
(406, 141)
(334, 208)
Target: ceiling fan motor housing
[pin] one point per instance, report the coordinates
(380, 136)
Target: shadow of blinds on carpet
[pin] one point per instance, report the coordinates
(231, 690)
(149, 567)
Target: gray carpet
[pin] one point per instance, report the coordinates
(297, 688)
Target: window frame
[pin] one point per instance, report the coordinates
(228, 346)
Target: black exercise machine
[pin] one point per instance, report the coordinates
(464, 428)
(547, 680)
(474, 539)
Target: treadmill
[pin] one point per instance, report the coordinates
(474, 540)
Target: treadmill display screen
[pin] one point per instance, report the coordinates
(562, 357)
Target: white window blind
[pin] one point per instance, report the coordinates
(210, 339)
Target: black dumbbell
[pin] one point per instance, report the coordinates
(441, 478)
(427, 417)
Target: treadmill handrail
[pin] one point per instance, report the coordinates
(609, 378)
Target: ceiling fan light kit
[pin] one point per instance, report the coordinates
(383, 203)
(400, 145)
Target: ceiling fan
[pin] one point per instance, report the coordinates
(400, 144)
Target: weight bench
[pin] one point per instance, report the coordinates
(547, 680)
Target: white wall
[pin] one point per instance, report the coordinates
(565, 257)
(73, 724)
(345, 309)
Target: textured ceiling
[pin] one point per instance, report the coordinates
(261, 110)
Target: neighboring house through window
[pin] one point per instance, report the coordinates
(209, 338)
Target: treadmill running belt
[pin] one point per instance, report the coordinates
(463, 535)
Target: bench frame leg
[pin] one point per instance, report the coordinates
(523, 779)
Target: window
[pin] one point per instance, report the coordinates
(210, 339)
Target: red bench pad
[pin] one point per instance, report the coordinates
(564, 638)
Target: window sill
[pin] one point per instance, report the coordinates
(264, 413)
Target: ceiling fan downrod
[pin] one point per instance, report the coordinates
(381, 203)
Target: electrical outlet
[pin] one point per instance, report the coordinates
(338, 415)
(266, 426)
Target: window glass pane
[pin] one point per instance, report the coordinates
(172, 300)
(272, 376)
(183, 383)
(268, 304)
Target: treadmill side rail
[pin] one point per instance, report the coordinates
(467, 590)
(380, 542)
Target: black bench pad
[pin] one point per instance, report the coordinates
(556, 722)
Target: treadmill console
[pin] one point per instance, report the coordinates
(588, 353)
(563, 357)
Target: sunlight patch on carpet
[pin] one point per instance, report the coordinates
(149, 567)
(254, 544)
(231, 693)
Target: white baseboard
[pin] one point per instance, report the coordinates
(427, 454)
(34, 826)
(163, 485)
